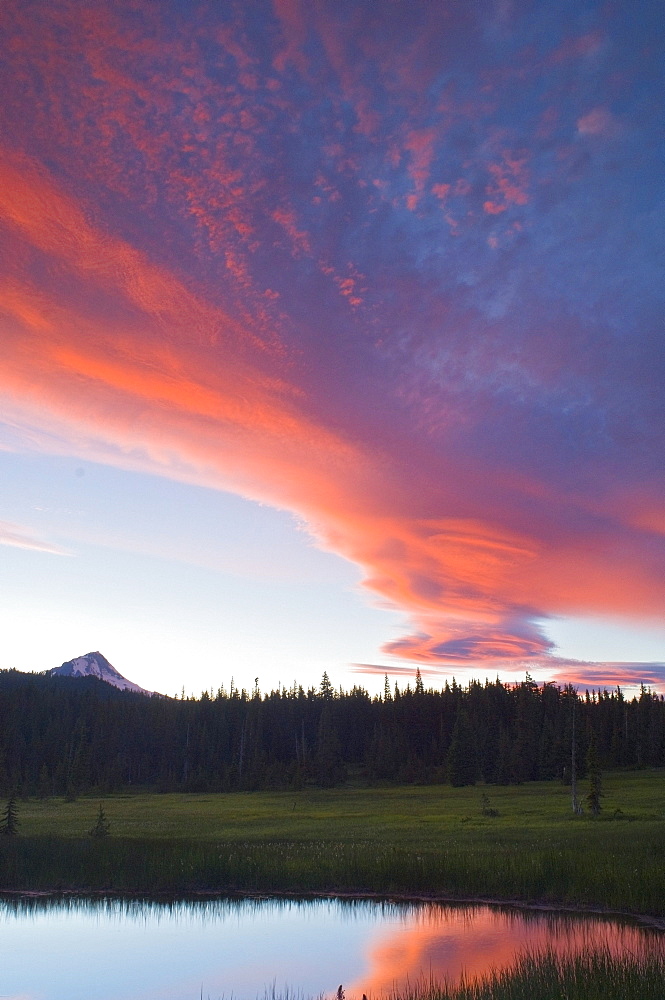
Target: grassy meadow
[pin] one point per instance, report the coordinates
(520, 843)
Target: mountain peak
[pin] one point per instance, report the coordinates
(95, 665)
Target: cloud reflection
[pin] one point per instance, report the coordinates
(448, 943)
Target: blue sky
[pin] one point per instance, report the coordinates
(178, 585)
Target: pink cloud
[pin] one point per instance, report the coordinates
(420, 144)
(598, 121)
(290, 16)
(349, 71)
(441, 191)
(393, 670)
(286, 218)
(17, 537)
(509, 184)
(581, 47)
(471, 585)
(609, 675)
(493, 207)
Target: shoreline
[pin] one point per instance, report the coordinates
(643, 919)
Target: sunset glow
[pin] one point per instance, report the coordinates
(392, 271)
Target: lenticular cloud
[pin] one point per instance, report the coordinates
(392, 268)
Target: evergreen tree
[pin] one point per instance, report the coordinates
(524, 757)
(71, 735)
(462, 754)
(9, 819)
(102, 827)
(330, 770)
(326, 687)
(504, 771)
(548, 765)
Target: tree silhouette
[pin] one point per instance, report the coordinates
(9, 819)
(73, 736)
(462, 753)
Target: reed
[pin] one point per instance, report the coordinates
(592, 976)
(462, 869)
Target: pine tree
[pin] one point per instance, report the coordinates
(9, 819)
(329, 767)
(326, 687)
(102, 827)
(462, 753)
(504, 773)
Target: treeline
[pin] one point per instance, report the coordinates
(66, 736)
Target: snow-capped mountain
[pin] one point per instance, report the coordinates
(95, 665)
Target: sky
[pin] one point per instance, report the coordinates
(332, 339)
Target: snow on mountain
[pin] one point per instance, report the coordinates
(95, 665)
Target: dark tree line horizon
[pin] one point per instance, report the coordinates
(68, 736)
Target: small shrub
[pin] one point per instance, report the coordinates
(486, 809)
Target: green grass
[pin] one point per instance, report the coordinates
(409, 816)
(431, 840)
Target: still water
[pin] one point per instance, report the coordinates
(110, 949)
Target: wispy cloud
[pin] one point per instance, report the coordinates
(13, 535)
(393, 670)
(580, 673)
(608, 675)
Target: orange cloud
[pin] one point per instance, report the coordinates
(158, 365)
(54, 224)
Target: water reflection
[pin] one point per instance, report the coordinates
(445, 943)
(120, 949)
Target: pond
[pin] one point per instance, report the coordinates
(74, 948)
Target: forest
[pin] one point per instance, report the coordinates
(69, 736)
